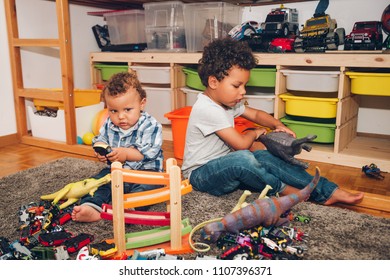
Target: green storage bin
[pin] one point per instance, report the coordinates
(325, 132)
(262, 77)
(108, 70)
(193, 79)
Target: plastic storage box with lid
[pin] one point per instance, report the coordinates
(310, 105)
(262, 77)
(153, 74)
(311, 80)
(193, 79)
(191, 95)
(107, 70)
(164, 26)
(179, 120)
(126, 27)
(53, 128)
(82, 97)
(158, 102)
(325, 132)
(207, 21)
(366, 83)
(264, 102)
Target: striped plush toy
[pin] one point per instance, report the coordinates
(263, 211)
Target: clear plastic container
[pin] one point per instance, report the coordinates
(126, 27)
(207, 21)
(165, 39)
(164, 14)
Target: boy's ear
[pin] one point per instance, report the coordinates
(143, 103)
(213, 82)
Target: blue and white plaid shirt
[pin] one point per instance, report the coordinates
(145, 136)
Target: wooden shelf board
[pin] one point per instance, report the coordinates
(359, 152)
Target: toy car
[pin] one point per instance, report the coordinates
(365, 35)
(245, 29)
(282, 45)
(76, 243)
(303, 219)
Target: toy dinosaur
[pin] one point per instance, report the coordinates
(264, 211)
(74, 191)
(285, 146)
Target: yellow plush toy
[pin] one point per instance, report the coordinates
(74, 191)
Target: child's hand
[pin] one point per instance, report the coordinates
(260, 131)
(100, 157)
(285, 129)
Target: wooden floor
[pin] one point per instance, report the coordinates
(19, 157)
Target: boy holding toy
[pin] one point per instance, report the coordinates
(217, 159)
(134, 136)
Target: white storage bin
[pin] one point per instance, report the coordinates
(54, 128)
(158, 103)
(191, 95)
(319, 81)
(261, 102)
(153, 74)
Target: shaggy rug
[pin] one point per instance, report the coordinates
(333, 233)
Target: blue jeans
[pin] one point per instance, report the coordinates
(253, 171)
(103, 193)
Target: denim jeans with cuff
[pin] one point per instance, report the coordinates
(253, 171)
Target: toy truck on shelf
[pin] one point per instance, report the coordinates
(365, 35)
(280, 22)
(319, 34)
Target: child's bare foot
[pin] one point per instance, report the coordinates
(344, 197)
(85, 213)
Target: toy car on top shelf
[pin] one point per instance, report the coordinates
(281, 22)
(365, 35)
(319, 34)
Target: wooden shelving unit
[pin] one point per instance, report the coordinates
(348, 149)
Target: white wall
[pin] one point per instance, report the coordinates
(346, 12)
(41, 68)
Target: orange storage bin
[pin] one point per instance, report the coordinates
(179, 121)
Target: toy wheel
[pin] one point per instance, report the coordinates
(332, 40)
(296, 30)
(347, 46)
(284, 245)
(296, 219)
(379, 45)
(298, 45)
(299, 251)
(285, 31)
(306, 221)
(341, 34)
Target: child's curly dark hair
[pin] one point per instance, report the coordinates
(221, 55)
(120, 83)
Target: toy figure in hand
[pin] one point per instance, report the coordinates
(264, 211)
(285, 146)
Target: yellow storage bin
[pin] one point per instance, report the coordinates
(310, 106)
(370, 83)
(82, 97)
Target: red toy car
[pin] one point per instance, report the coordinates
(365, 35)
(281, 45)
